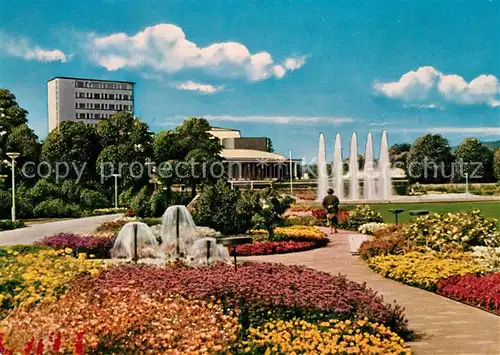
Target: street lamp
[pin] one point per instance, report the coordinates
(116, 176)
(13, 156)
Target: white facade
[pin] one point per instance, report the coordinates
(87, 100)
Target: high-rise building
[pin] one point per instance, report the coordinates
(87, 100)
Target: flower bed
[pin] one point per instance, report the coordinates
(261, 291)
(299, 234)
(452, 231)
(27, 279)
(176, 309)
(126, 321)
(481, 291)
(342, 337)
(423, 269)
(269, 248)
(92, 246)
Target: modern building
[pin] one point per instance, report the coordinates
(86, 100)
(249, 158)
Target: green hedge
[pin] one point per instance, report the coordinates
(6, 224)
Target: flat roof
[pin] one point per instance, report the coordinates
(89, 79)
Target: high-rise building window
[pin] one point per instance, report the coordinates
(81, 105)
(97, 106)
(97, 96)
(125, 97)
(111, 96)
(111, 106)
(97, 116)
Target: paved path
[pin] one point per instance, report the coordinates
(446, 326)
(29, 234)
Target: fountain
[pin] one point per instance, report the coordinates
(179, 240)
(135, 241)
(353, 169)
(368, 172)
(178, 231)
(322, 171)
(377, 180)
(385, 169)
(338, 168)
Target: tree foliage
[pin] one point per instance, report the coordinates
(496, 164)
(76, 144)
(189, 151)
(398, 155)
(429, 159)
(477, 159)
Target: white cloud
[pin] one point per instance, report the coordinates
(281, 119)
(294, 63)
(21, 47)
(426, 85)
(165, 48)
(203, 88)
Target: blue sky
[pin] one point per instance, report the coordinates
(287, 70)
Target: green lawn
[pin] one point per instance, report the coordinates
(489, 209)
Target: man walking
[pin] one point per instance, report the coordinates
(331, 205)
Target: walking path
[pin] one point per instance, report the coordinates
(445, 326)
(29, 234)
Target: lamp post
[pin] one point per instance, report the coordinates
(13, 156)
(116, 176)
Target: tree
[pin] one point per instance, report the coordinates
(270, 147)
(477, 161)
(398, 155)
(496, 164)
(224, 209)
(429, 159)
(127, 145)
(76, 144)
(190, 151)
(270, 213)
(15, 134)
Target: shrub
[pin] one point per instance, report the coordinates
(5, 204)
(159, 203)
(141, 202)
(269, 215)
(477, 290)
(422, 270)
(333, 337)
(260, 291)
(293, 220)
(99, 247)
(56, 209)
(92, 200)
(44, 191)
(7, 224)
(225, 210)
(361, 215)
(370, 248)
(452, 231)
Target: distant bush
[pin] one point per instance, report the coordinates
(141, 203)
(56, 209)
(7, 224)
(92, 200)
(20, 249)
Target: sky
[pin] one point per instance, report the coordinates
(287, 70)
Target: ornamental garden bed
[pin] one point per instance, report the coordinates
(85, 306)
(456, 255)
